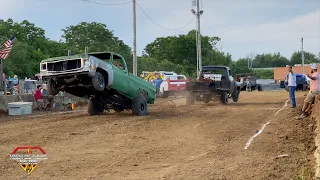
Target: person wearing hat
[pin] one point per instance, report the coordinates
(292, 84)
(314, 91)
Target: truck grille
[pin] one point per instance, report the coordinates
(64, 65)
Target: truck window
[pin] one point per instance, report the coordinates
(118, 61)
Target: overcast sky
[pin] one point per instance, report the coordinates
(246, 26)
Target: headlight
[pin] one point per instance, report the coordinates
(87, 62)
(43, 66)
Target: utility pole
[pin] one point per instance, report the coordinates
(134, 67)
(197, 51)
(198, 13)
(302, 55)
(199, 34)
(2, 84)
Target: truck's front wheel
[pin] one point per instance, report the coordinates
(98, 81)
(235, 95)
(139, 106)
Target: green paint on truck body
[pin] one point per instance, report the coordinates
(123, 81)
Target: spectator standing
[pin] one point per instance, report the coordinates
(314, 91)
(157, 82)
(292, 84)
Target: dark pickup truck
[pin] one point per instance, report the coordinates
(215, 82)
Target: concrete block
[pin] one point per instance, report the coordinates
(19, 108)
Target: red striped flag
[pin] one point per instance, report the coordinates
(7, 46)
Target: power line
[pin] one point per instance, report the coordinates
(127, 2)
(107, 4)
(159, 24)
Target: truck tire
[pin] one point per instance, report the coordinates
(52, 87)
(235, 95)
(224, 98)
(259, 88)
(139, 106)
(189, 98)
(94, 108)
(98, 81)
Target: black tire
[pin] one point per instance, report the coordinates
(94, 108)
(235, 95)
(224, 98)
(140, 106)
(52, 87)
(259, 88)
(189, 98)
(99, 81)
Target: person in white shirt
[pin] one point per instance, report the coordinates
(292, 84)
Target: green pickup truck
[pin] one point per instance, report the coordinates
(101, 77)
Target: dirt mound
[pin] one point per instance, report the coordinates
(294, 138)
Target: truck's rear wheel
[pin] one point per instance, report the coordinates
(190, 98)
(94, 108)
(235, 95)
(139, 106)
(52, 87)
(98, 81)
(224, 98)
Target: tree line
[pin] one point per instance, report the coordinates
(172, 53)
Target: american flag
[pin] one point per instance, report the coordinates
(5, 52)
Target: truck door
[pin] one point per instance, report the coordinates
(121, 80)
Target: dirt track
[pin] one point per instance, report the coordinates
(203, 141)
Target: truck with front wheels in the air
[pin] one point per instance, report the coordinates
(102, 78)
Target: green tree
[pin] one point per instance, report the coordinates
(181, 50)
(30, 47)
(264, 74)
(296, 58)
(240, 66)
(269, 60)
(97, 38)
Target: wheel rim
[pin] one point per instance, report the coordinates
(101, 81)
(142, 107)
